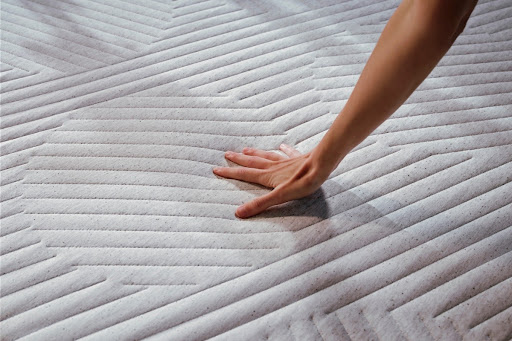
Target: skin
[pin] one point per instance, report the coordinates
(417, 36)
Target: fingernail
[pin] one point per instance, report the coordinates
(216, 169)
(240, 212)
(228, 153)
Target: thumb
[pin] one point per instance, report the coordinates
(260, 204)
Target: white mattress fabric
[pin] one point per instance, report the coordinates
(114, 227)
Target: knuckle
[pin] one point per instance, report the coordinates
(266, 178)
(252, 163)
(268, 164)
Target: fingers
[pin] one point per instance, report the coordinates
(241, 173)
(263, 154)
(291, 152)
(247, 161)
(260, 204)
(268, 169)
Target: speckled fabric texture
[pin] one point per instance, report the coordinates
(114, 227)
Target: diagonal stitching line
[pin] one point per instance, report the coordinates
(65, 20)
(155, 308)
(59, 8)
(51, 45)
(89, 27)
(64, 29)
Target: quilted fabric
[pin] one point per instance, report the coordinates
(114, 113)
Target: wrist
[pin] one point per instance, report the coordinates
(322, 162)
(329, 153)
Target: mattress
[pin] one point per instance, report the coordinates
(114, 227)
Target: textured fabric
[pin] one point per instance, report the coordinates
(114, 113)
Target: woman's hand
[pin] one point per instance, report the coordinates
(291, 177)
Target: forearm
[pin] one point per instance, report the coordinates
(414, 40)
(416, 37)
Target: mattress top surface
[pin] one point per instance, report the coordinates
(114, 226)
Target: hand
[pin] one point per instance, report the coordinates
(291, 177)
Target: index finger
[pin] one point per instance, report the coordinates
(263, 154)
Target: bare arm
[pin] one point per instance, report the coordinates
(416, 37)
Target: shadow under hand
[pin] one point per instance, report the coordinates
(314, 205)
(320, 205)
(323, 209)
